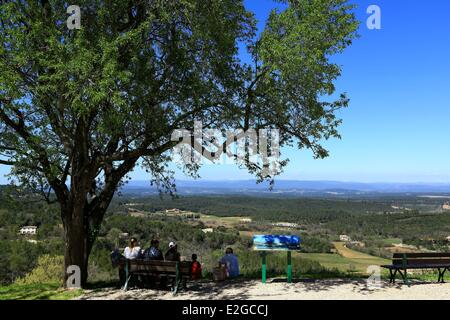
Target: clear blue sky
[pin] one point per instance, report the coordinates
(398, 78)
(396, 128)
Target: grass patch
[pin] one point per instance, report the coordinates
(41, 291)
(349, 262)
(392, 241)
(359, 259)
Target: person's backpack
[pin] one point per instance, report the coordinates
(220, 272)
(115, 258)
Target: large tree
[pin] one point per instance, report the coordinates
(79, 109)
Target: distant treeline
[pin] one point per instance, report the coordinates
(271, 209)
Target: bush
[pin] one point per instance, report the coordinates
(314, 244)
(17, 258)
(49, 269)
(100, 268)
(250, 264)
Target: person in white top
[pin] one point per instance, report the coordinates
(133, 251)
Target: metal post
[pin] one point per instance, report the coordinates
(404, 265)
(289, 267)
(127, 276)
(264, 267)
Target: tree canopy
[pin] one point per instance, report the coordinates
(79, 109)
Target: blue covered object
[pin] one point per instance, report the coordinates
(276, 242)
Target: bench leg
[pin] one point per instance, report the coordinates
(175, 285)
(441, 275)
(125, 286)
(177, 279)
(122, 278)
(404, 275)
(405, 278)
(393, 274)
(127, 276)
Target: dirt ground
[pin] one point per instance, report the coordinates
(339, 289)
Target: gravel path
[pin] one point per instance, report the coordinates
(278, 290)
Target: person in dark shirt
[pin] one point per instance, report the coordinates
(153, 253)
(172, 254)
(230, 260)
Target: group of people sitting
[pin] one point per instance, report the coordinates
(134, 251)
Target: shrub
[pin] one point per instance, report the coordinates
(314, 244)
(49, 269)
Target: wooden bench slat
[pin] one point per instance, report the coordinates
(416, 266)
(421, 261)
(134, 267)
(157, 266)
(422, 255)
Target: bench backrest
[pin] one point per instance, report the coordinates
(428, 258)
(157, 266)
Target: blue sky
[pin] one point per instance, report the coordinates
(396, 128)
(398, 79)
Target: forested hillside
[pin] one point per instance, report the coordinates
(373, 222)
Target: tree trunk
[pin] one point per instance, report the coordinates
(82, 215)
(81, 226)
(76, 245)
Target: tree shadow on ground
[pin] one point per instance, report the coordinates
(244, 289)
(196, 290)
(360, 286)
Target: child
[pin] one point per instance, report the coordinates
(196, 269)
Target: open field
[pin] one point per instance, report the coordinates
(355, 255)
(392, 241)
(215, 221)
(403, 249)
(335, 261)
(346, 260)
(359, 260)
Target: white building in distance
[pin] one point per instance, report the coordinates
(32, 230)
(344, 238)
(285, 225)
(176, 211)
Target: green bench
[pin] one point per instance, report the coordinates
(401, 262)
(179, 272)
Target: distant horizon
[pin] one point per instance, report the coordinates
(201, 180)
(294, 187)
(307, 180)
